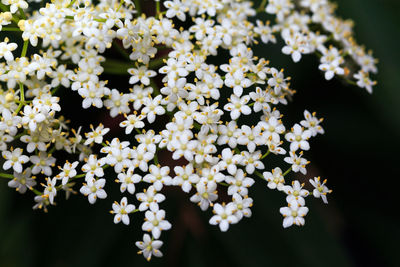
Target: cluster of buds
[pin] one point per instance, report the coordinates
(205, 110)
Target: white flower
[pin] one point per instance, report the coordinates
(280, 8)
(205, 195)
(275, 179)
(298, 138)
(229, 161)
(22, 181)
(265, 32)
(149, 247)
(243, 205)
(296, 45)
(228, 134)
(364, 81)
(93, 189)
(141, 74)
(32, 116)
(261, 99)
(122, 211)
(42, 163)
(128, 180)
(141, 157)
(158, 176)
(132, 122)
(321, 190)
(331, 69)
(293, 214)
(175, 9)
(150, 139)
(175, 89)
(298, 163)
(152, 108)
(117, 103)
(14, 159)
(9, 122)
(96, 135)
(239, 183)
(278, 81)
(250, 137)
(15, 4)
(238, 106)
(237, 81)
(185, 177)
(155, 222)
(272, 129)
(149, 198)
(295, 192)
(67, 171)
(211, 175)
(252, 161)
(224, 215)
(312, 123)
(50, 191)
(6, 49)
(92, 94)
(93, 167)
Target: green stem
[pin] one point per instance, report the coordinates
(259, 174)
(55, 90)
(262, 6)
(138, 7)
(157, 8)
(350, 82)
(120, 5)
(6, 175)
(23, 16)
(286, 172)
(10, 29)
(4, 8)
(156, 160)
(266, 154)
(25, 48)
(37, 192)
(71, 4)
(22, 94)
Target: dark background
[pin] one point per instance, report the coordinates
(359, 155)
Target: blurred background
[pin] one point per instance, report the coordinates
(358, 155)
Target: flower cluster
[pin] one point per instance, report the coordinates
(204, 108)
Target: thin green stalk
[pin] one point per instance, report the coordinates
(23, 16)
(25, 48)
(6, 176)
(288, 170)
(157, 8)
(22, 94)
(155, 159)
(120, 5)
(71, 4)
(266, 154)
(138, 7)
(259, 174)
(10, 29)
(262, 6)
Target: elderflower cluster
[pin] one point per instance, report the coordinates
(204, 109)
